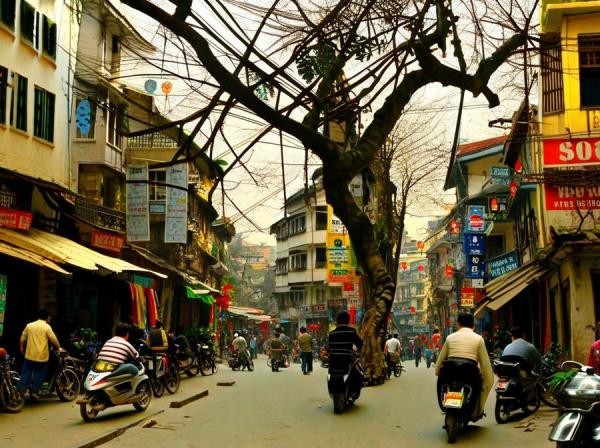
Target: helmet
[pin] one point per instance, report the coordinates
(236, 334)
(3, 353)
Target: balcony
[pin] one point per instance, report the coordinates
(155, 140)
(100, 216)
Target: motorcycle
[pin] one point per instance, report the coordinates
(204, 351)
(236, 361)
(394, 365)
(10, 398)
(344, 379)
(513, 390)
(161, 371)
(184, 357)
(458, 387)
(578, 422)
(324, 356)
(430, 356)
(62, 377)
(109, 385)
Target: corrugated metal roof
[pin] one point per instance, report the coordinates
(470, 148)
(30, 257)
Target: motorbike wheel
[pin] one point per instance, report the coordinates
(501, 412)
(269, 362)
(205, 367)
(88, 413)
(158, 387)
(339, 402)
(146, 391)
(250, 366)
(397, 371)
(213, 365)
(10, 398)
(428, 364)
(533, 404)
(547, 396)
(173, 380)
(193, 369)
(451, 427)
(67, 385)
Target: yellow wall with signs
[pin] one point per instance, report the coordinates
(339, 254)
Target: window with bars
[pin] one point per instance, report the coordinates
(7, 13)
(552, 76)
(297, 224)
(18, 102)
(49, 37)
(320, 257)
(589, 69)
(298, 262)
(43, 114)
(321, 218)
(3, 90)
(157, 192)
(281, 266)
(28, 22)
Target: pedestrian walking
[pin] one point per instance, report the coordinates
(305, 343)
(253, 342)
(34, 345)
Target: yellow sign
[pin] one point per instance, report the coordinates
(339, 253)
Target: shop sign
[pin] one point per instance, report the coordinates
(107, 241)
(176, 222)
(572, 152)
(3, 289)
(474, 244)
(475, 266)
(503, 264)
(500, 175)
(336, 303)
(477, 283)
(475, 218)
(318, 308)
(470, 296)
(572, 198)
(354, 302)
(15, 219)
(138, 217)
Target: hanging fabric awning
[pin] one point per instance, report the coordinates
(31, 257)
(201, 294)
(62, 250)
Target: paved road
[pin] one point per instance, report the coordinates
(288, 409)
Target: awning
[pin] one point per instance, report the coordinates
(503, 289)
(201, 294)
(62, 250)
(194, 283)
(30, 257)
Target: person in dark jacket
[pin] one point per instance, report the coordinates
(344, 343)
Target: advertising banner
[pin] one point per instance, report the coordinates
(15, 219)
(3, 289)
(571, 152)
(138, 217)
(176, 204)
(572, 198)
(107, 241)
(475, 218)
(503, 264)
(339, 253)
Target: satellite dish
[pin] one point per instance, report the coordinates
(150, 85)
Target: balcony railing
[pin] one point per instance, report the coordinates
(151, 141)
(100, 216)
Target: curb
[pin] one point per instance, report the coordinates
(180, 404)
(115, 433)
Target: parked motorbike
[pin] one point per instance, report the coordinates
(203, 348)
(458, 387)
(578, 423)
(62, 377)
(550, 365)
(184, 357)
(515, 390)
(108, 385)
(161, 371)
(10, 398)
(324, 356)
(237, 361)
(344, 379)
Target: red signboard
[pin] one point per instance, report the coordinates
(470, 296)
(15, 219)
(107, 241)
(572, 198)
(571, 152)
(318, 308)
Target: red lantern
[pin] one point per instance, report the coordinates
(413, 310)
(454, 227)
(518, 167)
(420, 245)
(421, 268)
(494, 206)
(513, 188)
(449, 270)
(404, 265)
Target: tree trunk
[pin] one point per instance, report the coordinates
(382, 285)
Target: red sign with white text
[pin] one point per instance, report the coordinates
(15, 219)
(572, 198)
(572, 152)
(107, 241)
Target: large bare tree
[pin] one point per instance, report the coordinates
(305, 64)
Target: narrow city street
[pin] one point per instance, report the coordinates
(265, 409)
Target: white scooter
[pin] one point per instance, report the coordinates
(108, 385)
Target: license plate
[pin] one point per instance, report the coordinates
(453, 400)
(502, 385)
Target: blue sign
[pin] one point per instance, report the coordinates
(503, 264)
(476, 218)
(83, 116)
(474, 244)
(475, 266)
(500, 175)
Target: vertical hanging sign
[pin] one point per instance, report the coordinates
(177, 204)
(138, 217)
(3, 288)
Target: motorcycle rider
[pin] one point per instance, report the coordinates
(342, 340)
(392, 353)
(117, 350)
(523, 349)
(276, 348)
(240, 346)
(466, 344)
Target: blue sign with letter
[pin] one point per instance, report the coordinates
(503, 264)
(474, 244)
(475, 266)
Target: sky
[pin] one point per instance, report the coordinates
(262, 196)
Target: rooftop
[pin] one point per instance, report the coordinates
(474, 147)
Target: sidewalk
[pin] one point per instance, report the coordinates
(52, 420)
